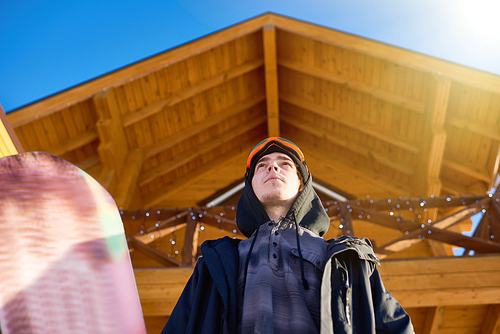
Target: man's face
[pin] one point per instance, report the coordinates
(275, 179)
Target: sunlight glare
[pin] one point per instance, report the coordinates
(480, 17)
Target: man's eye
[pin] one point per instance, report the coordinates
(259, 166)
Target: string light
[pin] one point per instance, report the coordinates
(395, 208)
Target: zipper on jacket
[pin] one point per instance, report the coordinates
(347, 296)
(348, 303)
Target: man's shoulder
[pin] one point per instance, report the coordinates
(345, 244)
(221, 243)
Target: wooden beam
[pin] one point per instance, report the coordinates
(128, 179)
(415, 202)
(157, 197)
(209, 145)
(152, 253)
(342, 118)
(149, 237)
(433, 138)
(494, 173)
(113, 148)
(491, 323)
(182, 95)
(350, 145)
(433, 318)
(414, 232)
(9, 142)
(271, 78)
(463, 214)
(199, 127)
(378, 93)
(457, 239)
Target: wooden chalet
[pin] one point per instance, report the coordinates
(404, 150)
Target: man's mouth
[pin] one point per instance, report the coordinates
(273, 178)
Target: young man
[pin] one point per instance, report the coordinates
(285, 278)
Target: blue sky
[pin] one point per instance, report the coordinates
(49, 46)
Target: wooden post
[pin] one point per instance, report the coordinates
(347, 228)
(9, 143)
(190, 240)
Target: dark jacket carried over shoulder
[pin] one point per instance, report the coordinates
(353, 297)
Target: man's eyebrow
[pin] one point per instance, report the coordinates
(279, 157)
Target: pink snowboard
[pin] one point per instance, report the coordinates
(64, 262)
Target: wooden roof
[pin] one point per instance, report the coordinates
(375, 122)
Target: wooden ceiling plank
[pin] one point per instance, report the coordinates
(182, 95)
(157, 197)
(476, 127)
(455, 297)
(207, 146)
(393, 54)
(350, 145)
(152, 253)
(348, 121)
(433, 138)
(456, 265)
(113, 147)
(128, 179)
(199, 127)
(358, 171)
(134, 71)
(381, 94)
(433, 319)
(89, 162)
(468, 170)
(451, 186)
(491, 323)
(74, 143)
(271, 79)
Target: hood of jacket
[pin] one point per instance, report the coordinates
(363, 247)
(307, 210)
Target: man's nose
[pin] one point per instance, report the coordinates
(273, 165)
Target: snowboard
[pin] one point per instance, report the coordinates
(64, 262)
